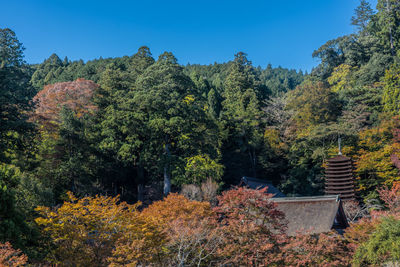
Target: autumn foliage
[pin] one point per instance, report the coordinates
(76, 95)
(368, 238)
(182, 230)
(250, 226)
(83, 231)
(328, 249)
(10, 256)
(245, 228)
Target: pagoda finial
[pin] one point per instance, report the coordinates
(340, 146)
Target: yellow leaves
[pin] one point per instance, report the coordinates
(341, 77)
(272, 138)
(85, 230)
(97, 231)
(189, 99)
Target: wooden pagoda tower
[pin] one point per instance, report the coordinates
(339, 177)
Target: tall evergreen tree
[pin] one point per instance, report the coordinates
(362, 16)
(15, 91)
(241, 114)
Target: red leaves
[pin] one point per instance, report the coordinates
(391, 197)
(250, 226)
(76, 95)
(10, 256)
(316, 250)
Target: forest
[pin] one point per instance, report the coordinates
(135, 160)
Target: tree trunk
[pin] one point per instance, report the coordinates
(390, 28)
(252, 157)
(140, 175)
(140, 192)
(167, 175)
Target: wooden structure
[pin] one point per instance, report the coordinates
(312, 215)
(339, 177)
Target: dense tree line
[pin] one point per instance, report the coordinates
(142, 127)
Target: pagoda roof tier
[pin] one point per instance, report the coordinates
(339, 183)
(339, 178)
(331, 191)
(336, 171)
(340, 175)
(339, 164)
(347, 167)
(339, 158)
(339, 189)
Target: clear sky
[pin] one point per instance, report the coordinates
(281, 32)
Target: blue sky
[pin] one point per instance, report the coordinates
(283, 33)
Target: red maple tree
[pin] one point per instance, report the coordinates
(76, 95)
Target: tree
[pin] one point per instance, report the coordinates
(391, 197)
(391, 91)
(383, 245)
(388, 19)
(200, 168)
(84, 231)
(11, 52)
(241, 115)
(186, 234)
(76, 95)
(314, 103)
(15, 92)
(341, 78)
(11, 257)
(328, 249)
(250, 227)
(377, 147)
(331, 54)
(13, 226)
(362, 16)
(171, 109)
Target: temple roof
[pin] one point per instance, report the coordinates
(312, 214)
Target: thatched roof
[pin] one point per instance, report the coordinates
(312, 214)
(255, 183)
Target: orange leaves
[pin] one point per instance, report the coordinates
(177, 207)
(250, 227)
(10, 256)
(316, 250)
(85, 230)
(76, 95)
(141, 241)
(178, 231)
(244, 229)
(391, 197)
(360, 231)
(95, 231)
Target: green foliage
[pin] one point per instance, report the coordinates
(15, 92)
(383, 245)
(341, 78)
(391, 90)
(146, 121)
(241, 115)
(12, 225)
(199, 168)
(387, 21)
(315, 103)
(362, 16)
